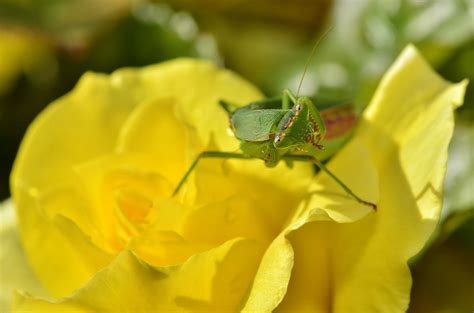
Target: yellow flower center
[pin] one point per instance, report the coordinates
(129, 200)
(134, 205)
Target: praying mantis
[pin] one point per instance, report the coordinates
(290, 128)
(274, 130)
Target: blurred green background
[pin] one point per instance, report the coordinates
(45, 46)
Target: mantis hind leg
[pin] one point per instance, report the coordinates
(207, 154)
(322, 167)
(343, 186)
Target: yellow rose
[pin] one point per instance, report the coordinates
(93, 179)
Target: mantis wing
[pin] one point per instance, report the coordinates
(255, 125)
(339, 120)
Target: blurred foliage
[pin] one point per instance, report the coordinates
(71, 22)
(368, 35)
(255, 37)
(457, 67)
(302, 14)
(443, 277)
(23, 53)
(459, 184)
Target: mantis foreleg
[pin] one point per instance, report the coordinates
(287, 99)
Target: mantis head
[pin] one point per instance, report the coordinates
(300, 126)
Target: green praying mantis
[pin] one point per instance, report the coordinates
(290, 128)
(273, 130)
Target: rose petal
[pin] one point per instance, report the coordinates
(358, 173)
(408, 128)
(344, 262)
(212, 281)
(86, 125)
(60, 247)
(272, 195)
(362, 266)
(294, 268)
(15, 273)
(197, 87)
(100, 182)
(154, 130)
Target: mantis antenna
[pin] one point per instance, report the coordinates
(309, 60)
